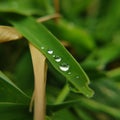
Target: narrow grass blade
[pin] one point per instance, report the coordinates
(6, 79)
(57, 55)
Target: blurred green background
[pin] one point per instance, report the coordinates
(91, 29)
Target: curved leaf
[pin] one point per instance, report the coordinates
(57, 55)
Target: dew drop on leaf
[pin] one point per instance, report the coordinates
(58, 59)
(69, 73)
(54, 55)
(64, 67)
(50, 51)
(42, 48)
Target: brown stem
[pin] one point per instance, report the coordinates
(40, 71)
(57, 8)
(48, 17)
(56, 5)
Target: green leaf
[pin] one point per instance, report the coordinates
(6, 79)
(42, 39)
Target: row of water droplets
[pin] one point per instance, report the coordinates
(63, 66)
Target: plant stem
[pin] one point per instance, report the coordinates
(40, 71)
(61, 97)
(48, 17)
(57, 8)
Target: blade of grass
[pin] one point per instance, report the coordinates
(42, 39)
(96, 106)
(65, 91)
(6, 79)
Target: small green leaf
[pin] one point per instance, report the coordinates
(57, 55)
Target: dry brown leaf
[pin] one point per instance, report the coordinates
(40, 71)
(9, 33)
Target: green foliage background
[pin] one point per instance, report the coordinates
(92, 29)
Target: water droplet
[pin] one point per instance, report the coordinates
(54, 55)
(50, 51)
(42, 48)
(64, 67)
(77, 76)
(69, 73)
(57, 58)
